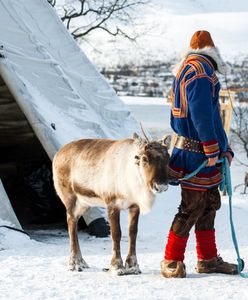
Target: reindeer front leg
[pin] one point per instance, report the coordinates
(131, 264)
(114, 221)
(76, 261)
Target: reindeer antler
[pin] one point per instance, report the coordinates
(142, 129)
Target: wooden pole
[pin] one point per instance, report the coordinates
(226, 104)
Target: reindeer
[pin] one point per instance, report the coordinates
(116, 174)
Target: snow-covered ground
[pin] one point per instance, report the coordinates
(154, 113)
(36, 268)
(131, 100)
(164, 28)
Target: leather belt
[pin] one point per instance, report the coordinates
(189, 144)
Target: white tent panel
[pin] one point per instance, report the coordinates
(58, 89)
(7, 215)
(53, 81)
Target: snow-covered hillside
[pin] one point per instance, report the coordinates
(166, 27)
(186, 7)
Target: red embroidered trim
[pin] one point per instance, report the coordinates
(201, 58)
(186, 187)
(183, 172)
(199, 181)
(211, 148)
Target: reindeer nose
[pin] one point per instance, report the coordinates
(159, 188)
(165, 187)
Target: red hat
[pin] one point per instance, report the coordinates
(201, 39)
(202, 43)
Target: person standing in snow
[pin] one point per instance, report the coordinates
(196, 119)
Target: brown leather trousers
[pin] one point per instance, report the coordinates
(197, 208)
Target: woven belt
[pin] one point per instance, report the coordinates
(189, 144)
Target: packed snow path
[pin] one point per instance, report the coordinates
(32, 269)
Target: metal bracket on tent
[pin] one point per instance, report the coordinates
(1, 55)
(53, 126)
(13, 228)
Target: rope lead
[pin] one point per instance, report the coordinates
(225, 184)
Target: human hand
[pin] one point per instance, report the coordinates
(212, 161)
(228, 155)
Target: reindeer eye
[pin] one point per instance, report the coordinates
(136, 157)
(145, 159)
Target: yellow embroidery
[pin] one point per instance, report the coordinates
(195, 62)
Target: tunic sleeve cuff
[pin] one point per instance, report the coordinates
(229, 149)
(211, 148)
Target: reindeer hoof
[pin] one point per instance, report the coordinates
(78, 266)
(131, 265)
(120, 272)
(134, 270)
(113, 270)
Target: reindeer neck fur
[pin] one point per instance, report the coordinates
(140, 193)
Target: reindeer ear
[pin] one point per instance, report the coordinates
(166, 141)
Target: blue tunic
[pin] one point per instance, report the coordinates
(196, 114)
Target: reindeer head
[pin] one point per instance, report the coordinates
(152, 159)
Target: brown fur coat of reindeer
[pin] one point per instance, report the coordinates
(116, 174)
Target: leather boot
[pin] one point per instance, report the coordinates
(173, 269)
(216, 265)
(99, 228)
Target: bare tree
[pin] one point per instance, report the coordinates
(240, 127)
(240, 132)
(82, 17)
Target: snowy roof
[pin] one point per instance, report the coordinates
(59, 90)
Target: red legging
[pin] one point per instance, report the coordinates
(197, 208)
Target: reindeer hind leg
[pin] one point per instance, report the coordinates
(73, 213)
(76, 261)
